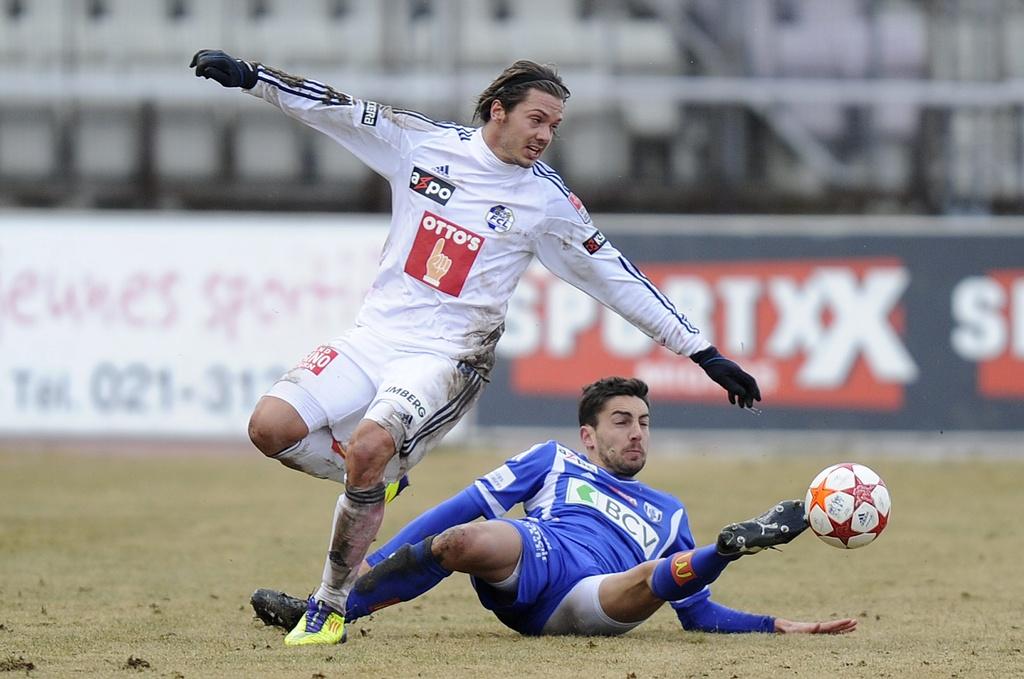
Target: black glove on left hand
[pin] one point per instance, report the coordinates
(223, 68)
(742, 388)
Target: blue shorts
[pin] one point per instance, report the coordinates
(550, 566)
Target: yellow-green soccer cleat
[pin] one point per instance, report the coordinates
(320, 626)
(392, 490)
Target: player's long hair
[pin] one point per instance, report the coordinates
(515, 82)
(597, 394)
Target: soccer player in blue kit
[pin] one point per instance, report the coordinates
(598, 551)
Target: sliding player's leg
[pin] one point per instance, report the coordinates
(489, 550)
(635, 594)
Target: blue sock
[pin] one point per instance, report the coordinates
(686, 573)
(409, 572)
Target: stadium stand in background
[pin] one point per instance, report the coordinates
(678, 106)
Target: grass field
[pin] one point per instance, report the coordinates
(118, 565)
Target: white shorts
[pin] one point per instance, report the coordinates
(580, 613)
(417, 397)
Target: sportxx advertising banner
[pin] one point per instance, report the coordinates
(173, 324)
(847, 329)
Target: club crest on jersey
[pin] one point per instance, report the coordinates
(500, 218)
(580, 209)
(430, 185)
(579, 492)
(653, 513)
(595, 242)
(370, 111)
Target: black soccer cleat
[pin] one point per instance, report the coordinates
(277, 608)
(777, 526)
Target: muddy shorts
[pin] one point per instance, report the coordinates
(417, 397)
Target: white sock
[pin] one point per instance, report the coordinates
(316, 456)
(357, 518)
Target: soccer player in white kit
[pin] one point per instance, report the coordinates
(471, 208)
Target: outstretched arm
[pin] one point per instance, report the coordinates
(842, 626)
(580, 255)
(365, 128)
(705, 615)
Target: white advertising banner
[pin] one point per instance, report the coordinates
(153, 324)
(174, 324)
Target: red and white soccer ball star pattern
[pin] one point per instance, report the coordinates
(847, 505)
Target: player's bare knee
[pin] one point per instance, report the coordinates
(385, 423)
(450, 545)
(263, 436)
(367, 454)
(470, 543)
(274, 426)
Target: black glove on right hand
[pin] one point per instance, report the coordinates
(742, 388)
(223, 68)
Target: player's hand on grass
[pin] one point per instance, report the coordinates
(742, 388)
(224, 68)
(783, 626)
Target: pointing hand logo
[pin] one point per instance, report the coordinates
(437, 264)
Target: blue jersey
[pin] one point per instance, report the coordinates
(580, 521)
(620, 522)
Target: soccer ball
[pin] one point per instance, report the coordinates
(847, 505)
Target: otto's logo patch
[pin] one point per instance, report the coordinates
(578, 205)
(318, 359)
(442, 254)
(370, 111)
(500, 218)
(595, 242)
(430, 185)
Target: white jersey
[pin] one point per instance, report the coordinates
(465, 226)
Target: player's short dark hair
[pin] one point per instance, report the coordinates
(514, 85)
(597, 394)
